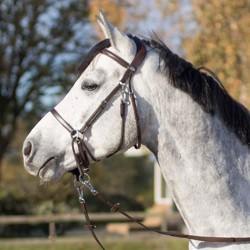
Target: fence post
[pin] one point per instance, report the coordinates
(52, 231)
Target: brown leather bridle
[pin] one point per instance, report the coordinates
(82, 152)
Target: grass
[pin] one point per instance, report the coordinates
(141, 242)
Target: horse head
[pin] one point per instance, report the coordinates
(47, 150)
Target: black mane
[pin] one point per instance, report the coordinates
(205, 90)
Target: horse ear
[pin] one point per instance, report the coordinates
(117, 38)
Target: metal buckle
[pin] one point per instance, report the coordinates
(125, 93)
(76, 134)
(87, 184)
(79, 189)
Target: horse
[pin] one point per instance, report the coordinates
(198, 133)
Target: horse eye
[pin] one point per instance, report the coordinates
(89, 85)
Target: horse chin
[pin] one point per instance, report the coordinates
(50, 172)
(54, 169)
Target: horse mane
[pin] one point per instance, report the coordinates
(204, 89)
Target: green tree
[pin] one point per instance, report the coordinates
(40, 44)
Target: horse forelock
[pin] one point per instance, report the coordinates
(205, 90)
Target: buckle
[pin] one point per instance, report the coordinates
(76, 134)
(86, 182)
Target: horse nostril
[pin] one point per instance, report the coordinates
(27, 148)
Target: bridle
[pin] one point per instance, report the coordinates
(82, 153)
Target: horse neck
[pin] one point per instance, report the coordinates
(205, 166)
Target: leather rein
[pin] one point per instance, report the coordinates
(82, 153)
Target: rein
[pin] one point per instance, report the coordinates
(115, 207)
(82, 153)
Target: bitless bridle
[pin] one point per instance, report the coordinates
(82, 153)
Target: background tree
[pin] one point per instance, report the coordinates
(214, 34)
(40, 43)
(115, 11)
(220, 41)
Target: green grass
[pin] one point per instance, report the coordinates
(146, 242)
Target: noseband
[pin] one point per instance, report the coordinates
(80, 150)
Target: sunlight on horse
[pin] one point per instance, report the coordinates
(198, 133)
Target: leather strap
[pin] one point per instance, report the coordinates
(62, 121)
(99, 109)
(89, 226)
(116, 58)
(131, 69)
(115, 207)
